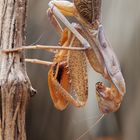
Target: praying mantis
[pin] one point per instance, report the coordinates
(98, 51)
(95, 46)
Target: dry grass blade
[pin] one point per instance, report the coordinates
(92, 126)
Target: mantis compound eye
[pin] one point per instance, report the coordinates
(106, 101)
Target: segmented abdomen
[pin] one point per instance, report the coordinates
(90, 10)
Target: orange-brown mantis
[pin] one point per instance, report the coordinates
(97, 49)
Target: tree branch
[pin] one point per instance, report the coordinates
(15, 86)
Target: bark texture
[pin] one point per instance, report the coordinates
(15, 87)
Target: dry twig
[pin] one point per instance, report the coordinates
(15, 87)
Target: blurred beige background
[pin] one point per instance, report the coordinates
(121, 19)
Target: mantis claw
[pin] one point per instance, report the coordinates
(109, 99)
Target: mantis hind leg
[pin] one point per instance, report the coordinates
(37, 61)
